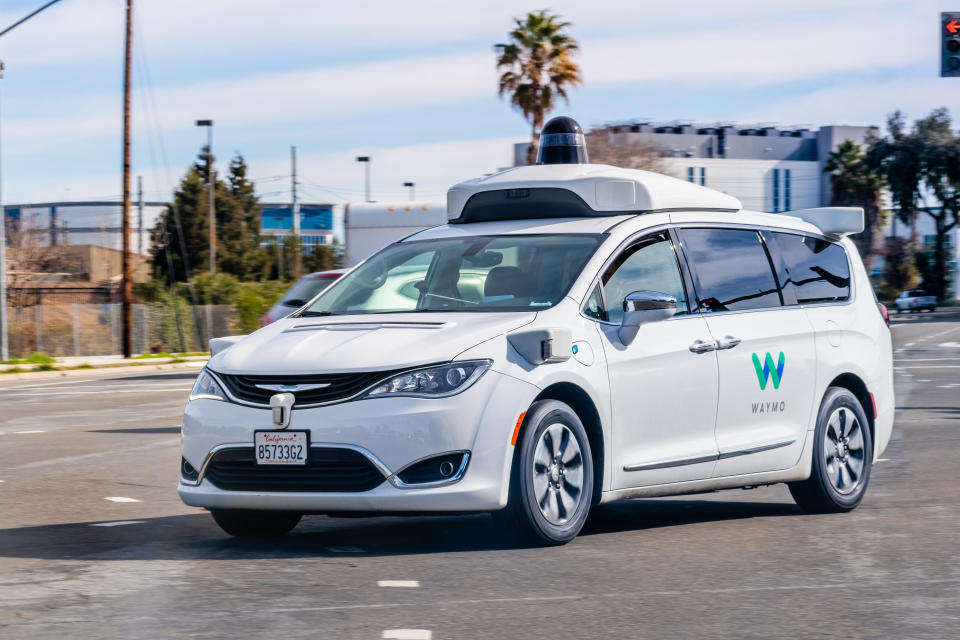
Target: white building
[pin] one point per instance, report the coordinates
(767, 168)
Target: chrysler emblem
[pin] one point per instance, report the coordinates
(292, 387)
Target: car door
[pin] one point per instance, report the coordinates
(766, 351)
(663, 394)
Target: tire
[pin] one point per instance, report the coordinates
(540, 476)
(839, 475)
(255, 524)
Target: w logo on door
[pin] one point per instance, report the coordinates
(768, 370)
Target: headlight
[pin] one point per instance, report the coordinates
(431, 382)
(207, 388)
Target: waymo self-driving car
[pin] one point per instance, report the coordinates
(576, 334)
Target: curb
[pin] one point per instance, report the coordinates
(191, 363)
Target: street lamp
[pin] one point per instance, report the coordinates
(411, 185)
(366, 184)
(212, 214)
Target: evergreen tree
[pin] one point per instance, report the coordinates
(237, 226)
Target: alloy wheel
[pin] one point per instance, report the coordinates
(558, 474)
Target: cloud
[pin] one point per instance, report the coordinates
(737, 57)
(864, 102)
(326, 177)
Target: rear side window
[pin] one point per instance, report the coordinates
(732, 269)
(818, 269)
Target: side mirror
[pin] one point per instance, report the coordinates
(641, 307)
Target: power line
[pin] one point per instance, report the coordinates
(28, 16)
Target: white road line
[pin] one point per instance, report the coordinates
(344, 549)
(632, 595)
(933, 366)
(120, 499)
(30, 431)
(895, 360)
(883, 459)
(949, 345)
(118, 523)
(408, 634)
(49, 394)
(92, 456)
(398, 583)
(93, 385)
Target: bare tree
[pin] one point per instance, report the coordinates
(631, 151)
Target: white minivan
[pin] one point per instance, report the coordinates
(576, 334)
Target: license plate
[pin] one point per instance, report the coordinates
(281, 447)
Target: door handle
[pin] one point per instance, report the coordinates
(700, 346)
(729, 342)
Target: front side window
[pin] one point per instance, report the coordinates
(649, 265)
(732, 270)
(818, 269)
(473, 273)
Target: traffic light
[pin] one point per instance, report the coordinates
(950, 44)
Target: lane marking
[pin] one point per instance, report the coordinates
(120, 499)
(30, 431)
(633, 595)
(48, 394)
(92, 456)
(950, 345)
(398, 583)
(924, 359)
(118, 523)
(344, 549)
(933, 366)
(408, 634)
(883, 459)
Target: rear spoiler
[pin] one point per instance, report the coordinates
(835, 222)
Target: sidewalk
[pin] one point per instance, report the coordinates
(77, 365)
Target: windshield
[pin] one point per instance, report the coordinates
(476, 273)
(305, 289)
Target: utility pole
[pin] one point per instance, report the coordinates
(211, 183)
(366, 182)
(127, 287)
(411, 186)
(4, 345)
(296, 213)
(140, 215)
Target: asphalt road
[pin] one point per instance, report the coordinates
(94, 542)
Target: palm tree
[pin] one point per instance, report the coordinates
(855, 183)
(536, 67)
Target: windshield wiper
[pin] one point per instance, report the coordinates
(317, 314)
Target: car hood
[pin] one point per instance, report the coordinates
(337, 344)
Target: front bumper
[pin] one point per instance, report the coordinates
(391, 432)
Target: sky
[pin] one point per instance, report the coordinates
(412, 84)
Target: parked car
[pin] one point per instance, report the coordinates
(303, 291)
(576, 334)
(915, 300)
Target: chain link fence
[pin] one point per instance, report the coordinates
(74, 329)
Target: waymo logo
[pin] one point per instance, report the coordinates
(768, 370)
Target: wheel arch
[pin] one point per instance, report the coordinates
(855, 385)
(583, 405)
